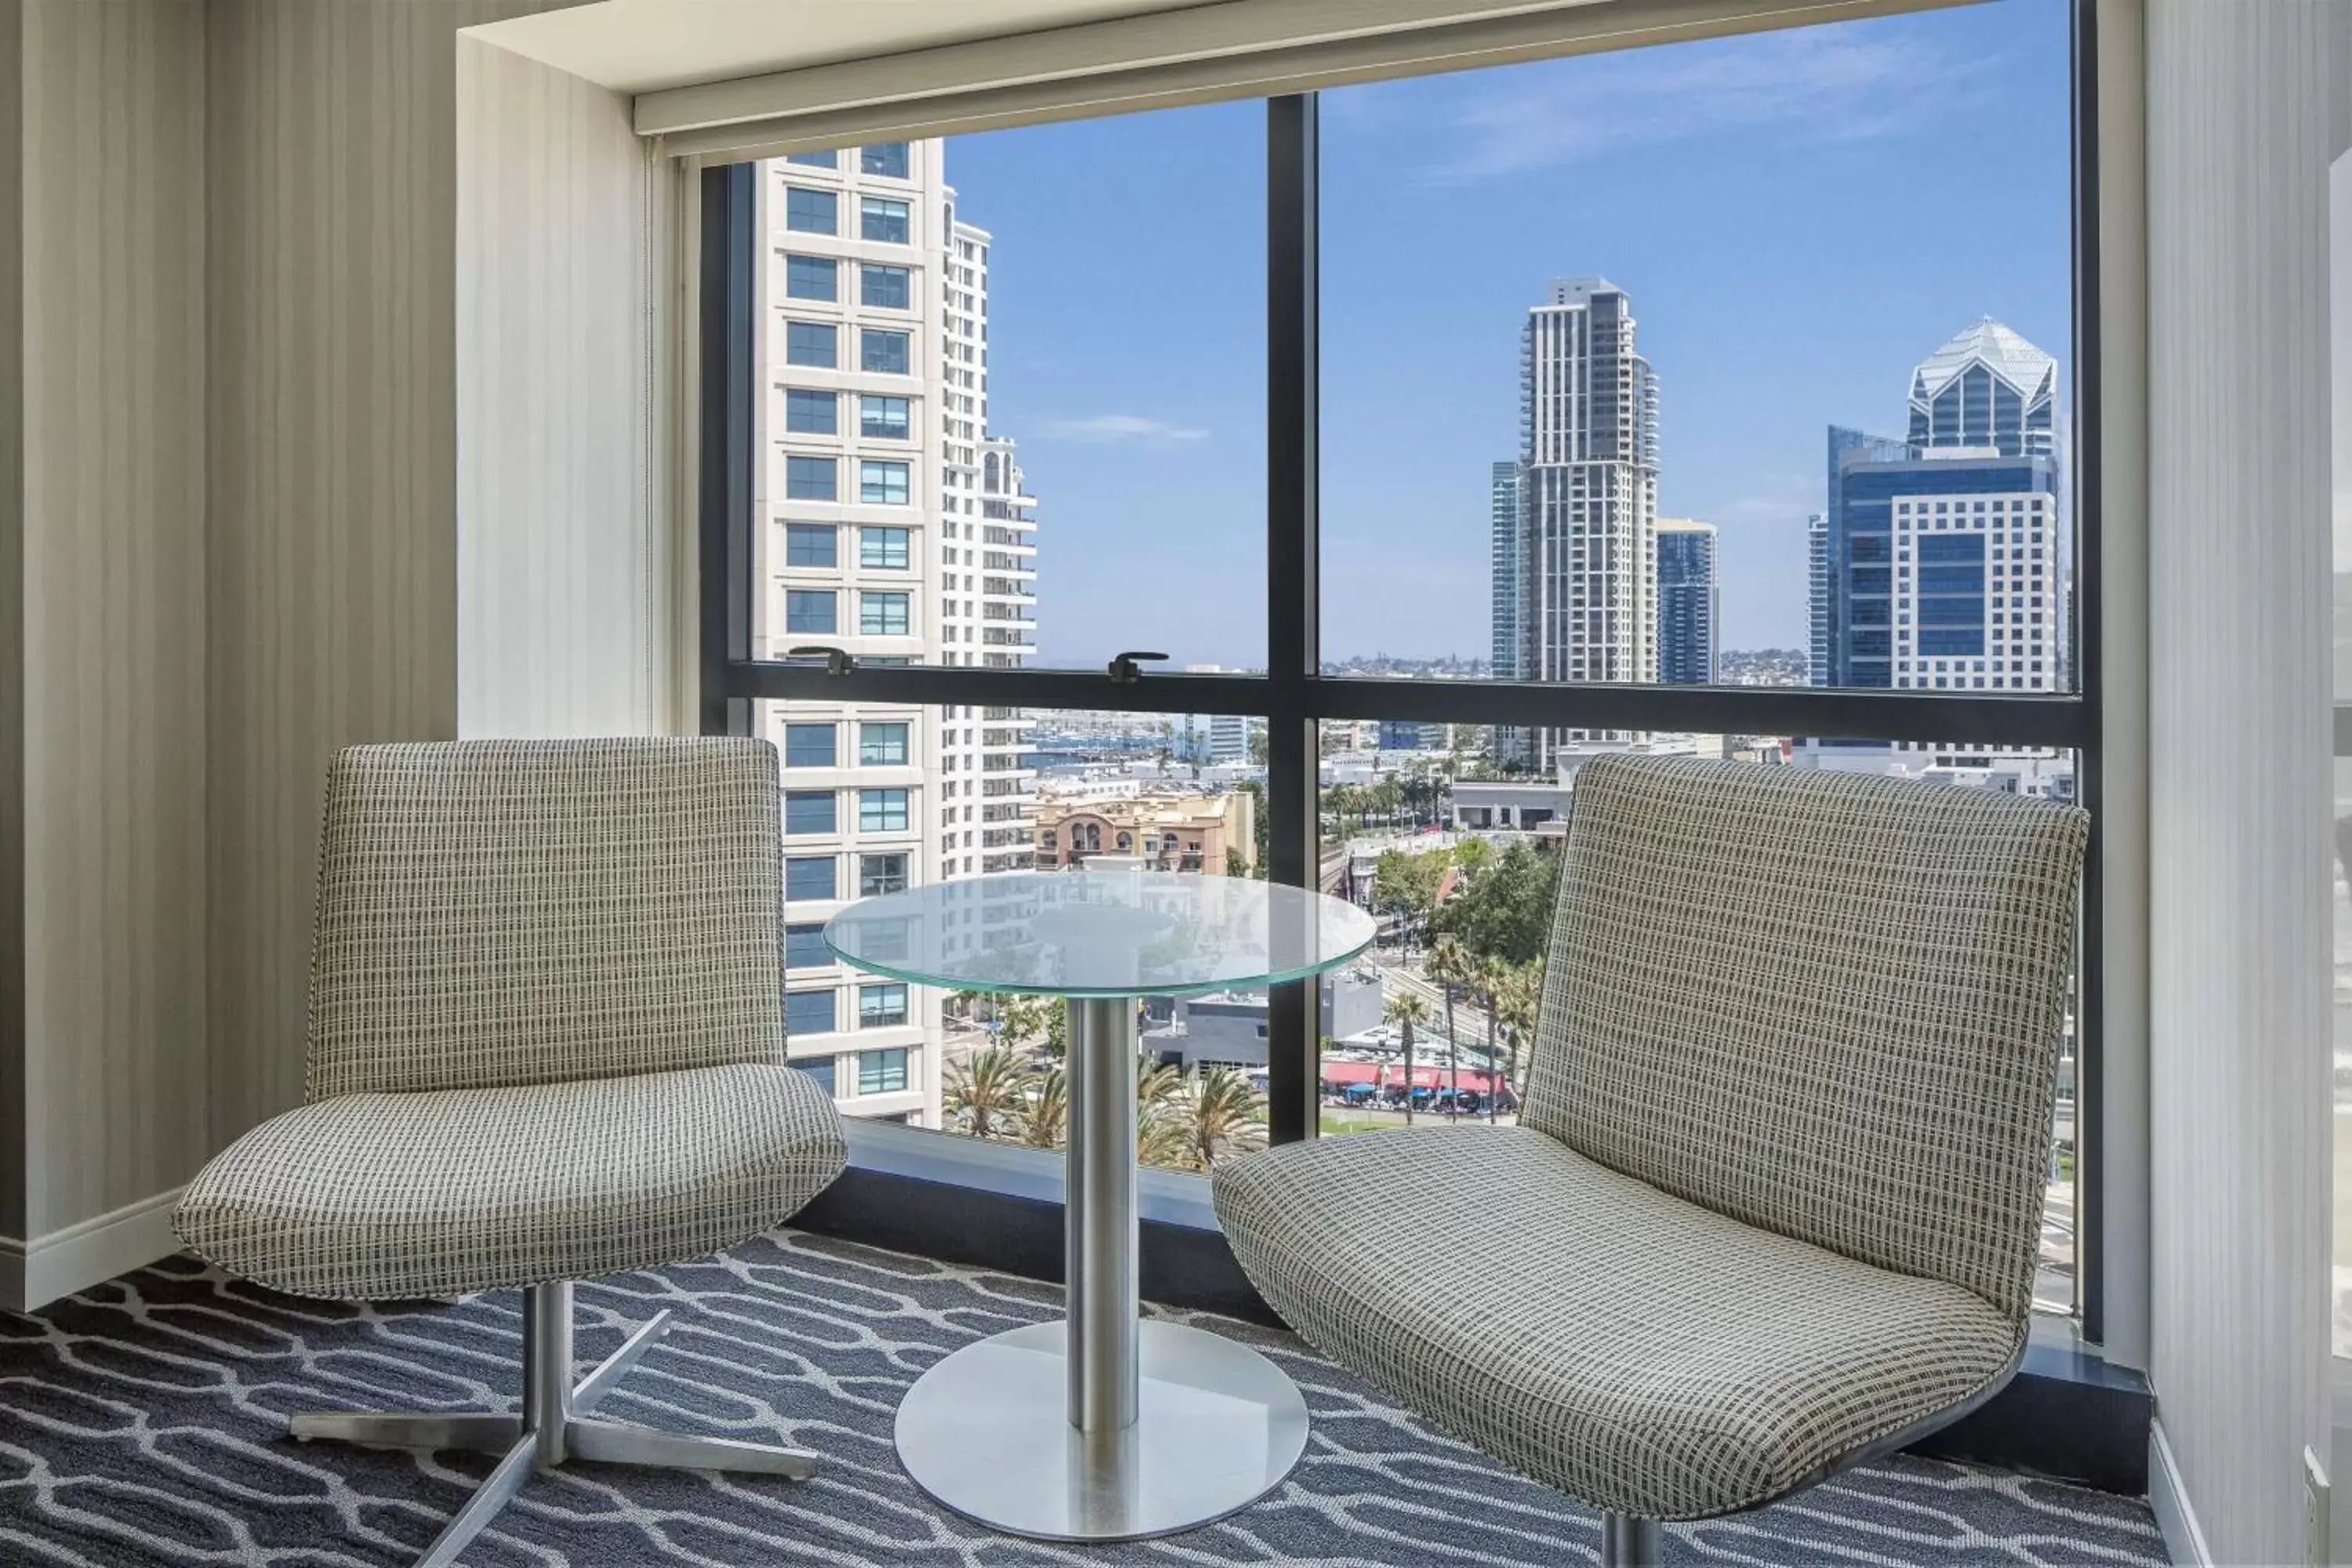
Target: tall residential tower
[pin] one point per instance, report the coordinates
(896, 527)
(1589, 466)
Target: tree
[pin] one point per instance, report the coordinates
(1262, 826)
(1517, 1008)
(1471, 857)
(987, 1093)
(1450, 965)
(1046, 1118)
(1258, 744)
(1507, 911)
(1222, 1115)
(1487, 976)
(1407, 1012)
(1406, 885)
(1160, 1136)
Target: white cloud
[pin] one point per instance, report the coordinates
(1810, 84)
(1105, 428)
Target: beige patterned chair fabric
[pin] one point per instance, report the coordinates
(513, 912)
(547, 1031)
(1775, 1201)
(1825, 1003)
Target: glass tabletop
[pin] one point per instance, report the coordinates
(1099, 933)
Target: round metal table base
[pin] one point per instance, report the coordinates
(987, 1432)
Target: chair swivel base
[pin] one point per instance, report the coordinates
(553, 1427)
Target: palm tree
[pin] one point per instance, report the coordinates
(1488, 977)
(1518, 1006)
(1046, 1116)
(986, 1092)
(1160, 1132)
(1450, 964)
(1222, 1115)
(1407, 1011)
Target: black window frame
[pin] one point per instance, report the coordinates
(1293, 695)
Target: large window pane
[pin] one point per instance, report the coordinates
(1112, 275)
(1457, 860)
(1721, 333)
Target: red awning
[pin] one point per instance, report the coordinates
(1391, 1075)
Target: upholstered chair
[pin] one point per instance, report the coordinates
(1773, 1206)
(546, 1042)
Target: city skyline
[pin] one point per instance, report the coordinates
(1745, 191)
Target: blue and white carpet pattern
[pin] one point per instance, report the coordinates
(142, 1426)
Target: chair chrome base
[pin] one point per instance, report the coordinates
(552, 1428)
(1629, 1542)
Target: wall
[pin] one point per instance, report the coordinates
(104, 714)
(2244, 105)
(330, 155)
(564, 601)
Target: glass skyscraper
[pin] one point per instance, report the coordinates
(1944, 555)
(1689, 604)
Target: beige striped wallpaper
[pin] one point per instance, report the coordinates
(2246, 103)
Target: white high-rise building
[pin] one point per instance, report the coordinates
(1589, 466)
(896, 528)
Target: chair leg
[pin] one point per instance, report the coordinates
(551, 1430)
(1628, 1543)
(427, 1429)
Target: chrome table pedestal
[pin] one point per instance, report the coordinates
(1101, 1428)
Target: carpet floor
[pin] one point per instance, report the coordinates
(142, 1425)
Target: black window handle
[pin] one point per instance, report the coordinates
(835, 661)
(1126, 671)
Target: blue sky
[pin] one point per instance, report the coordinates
(1799, 218)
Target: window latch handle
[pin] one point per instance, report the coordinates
(1126, 671)
(835, 661)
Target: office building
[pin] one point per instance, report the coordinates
(1987, 390)
(1817, 598)
(900, 531)
(1588, 467)
(1690, 606)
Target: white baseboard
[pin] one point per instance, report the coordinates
(34, 1273)
(2167, 1498)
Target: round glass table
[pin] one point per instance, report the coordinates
(1102, 1426)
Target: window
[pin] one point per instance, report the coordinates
(885, 287)
(881, 1006)
(820, 1068)
(812, 212)
(882, 745)
(881, 811)
(809, 811)
(881, 874)
(882, 615)
(882, 549)
(812, 479)
(815, 159)
(808, 877)
(1061, 470)
(809, 745)
(815, 344)
(882, 1072)
(812, 278)
(811, 413)
(815, 545)
(804, 947)
(887, 159)
(883, 351)
(808, 1013)
(882, 418)
(880, 217)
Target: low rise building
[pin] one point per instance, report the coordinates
(1166, 830)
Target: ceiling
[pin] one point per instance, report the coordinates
(644, 45)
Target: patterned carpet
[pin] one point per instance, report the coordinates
(140, 1427)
